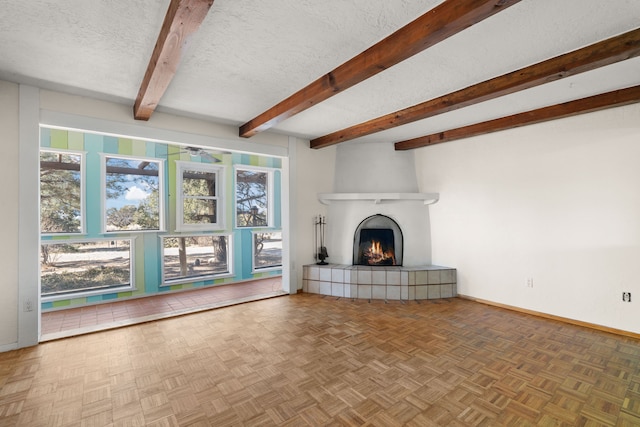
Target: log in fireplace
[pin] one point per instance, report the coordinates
(378, 242)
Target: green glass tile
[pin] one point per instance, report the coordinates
(62, 303)
(125, 146)
(59, 138)
(76, 141)
(60, 237)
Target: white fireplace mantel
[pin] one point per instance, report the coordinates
(377, 198)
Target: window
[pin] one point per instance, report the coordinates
(189, 258)
(200, 198)
(267, 250)
(133, 194)
(98, 265)
(254, 197)
(61, 192)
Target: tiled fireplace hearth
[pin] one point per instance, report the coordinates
(385, 283)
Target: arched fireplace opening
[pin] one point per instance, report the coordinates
(377, 242)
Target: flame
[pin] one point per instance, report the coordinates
(376, 248)
(375, 254)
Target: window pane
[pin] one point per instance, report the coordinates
(198, 183)
(200, 196)
(267, 250)
(132, 189)
(60, 193)
(68, 267)
(251, 198)
(195, 257)
(199, 211)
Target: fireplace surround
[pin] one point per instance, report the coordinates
(378, 241)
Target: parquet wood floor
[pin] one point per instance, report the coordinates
(312, 360)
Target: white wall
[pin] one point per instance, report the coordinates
(314, 174)
(557, 202)
(377, 168)
(9, 101)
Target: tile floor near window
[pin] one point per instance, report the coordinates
(82, 320)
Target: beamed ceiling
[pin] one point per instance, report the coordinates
(409, 72)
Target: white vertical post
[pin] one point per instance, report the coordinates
(289, 264)
(29, 224)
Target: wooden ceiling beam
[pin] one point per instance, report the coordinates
(597, 55)
(182, 20)
(616, 98)
(443, 21)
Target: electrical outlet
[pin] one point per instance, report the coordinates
(529, 282)
(626, 296)
(28, 305)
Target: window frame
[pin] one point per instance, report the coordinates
(270, 195)
(83, 182)
(255, 269)
(219, 171)
(70, 295)
(161, 192)
(164, 283)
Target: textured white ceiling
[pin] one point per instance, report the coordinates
(248, 55)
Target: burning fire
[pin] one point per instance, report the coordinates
(375, 254)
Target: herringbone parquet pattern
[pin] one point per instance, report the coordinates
(313, 360)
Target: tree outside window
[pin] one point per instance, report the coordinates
(69, 267)
(199, 205)
(186, 258)
(61, 192)
(253, 193)
(267, 250)
(132, 194)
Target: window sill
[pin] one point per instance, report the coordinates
(85, 294)
(197, 279)
(264, 269)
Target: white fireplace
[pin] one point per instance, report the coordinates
(373, 182)
(377, 180)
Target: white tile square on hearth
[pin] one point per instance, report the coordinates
(421, 278)
(434, 277)
(364, 291)
(433, 291)
(378, 277)
(378, 292)
(314, 273)
(314, 287)
(337, 275)
(364, 277)
(446, 276)
(337, 289)
(446, 291)
(393, 293)
(347, 276)
(325, 288)
(393, 278)
(325, 274)
(421, 291)
(404, 277)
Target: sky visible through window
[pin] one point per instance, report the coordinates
(132, 194)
